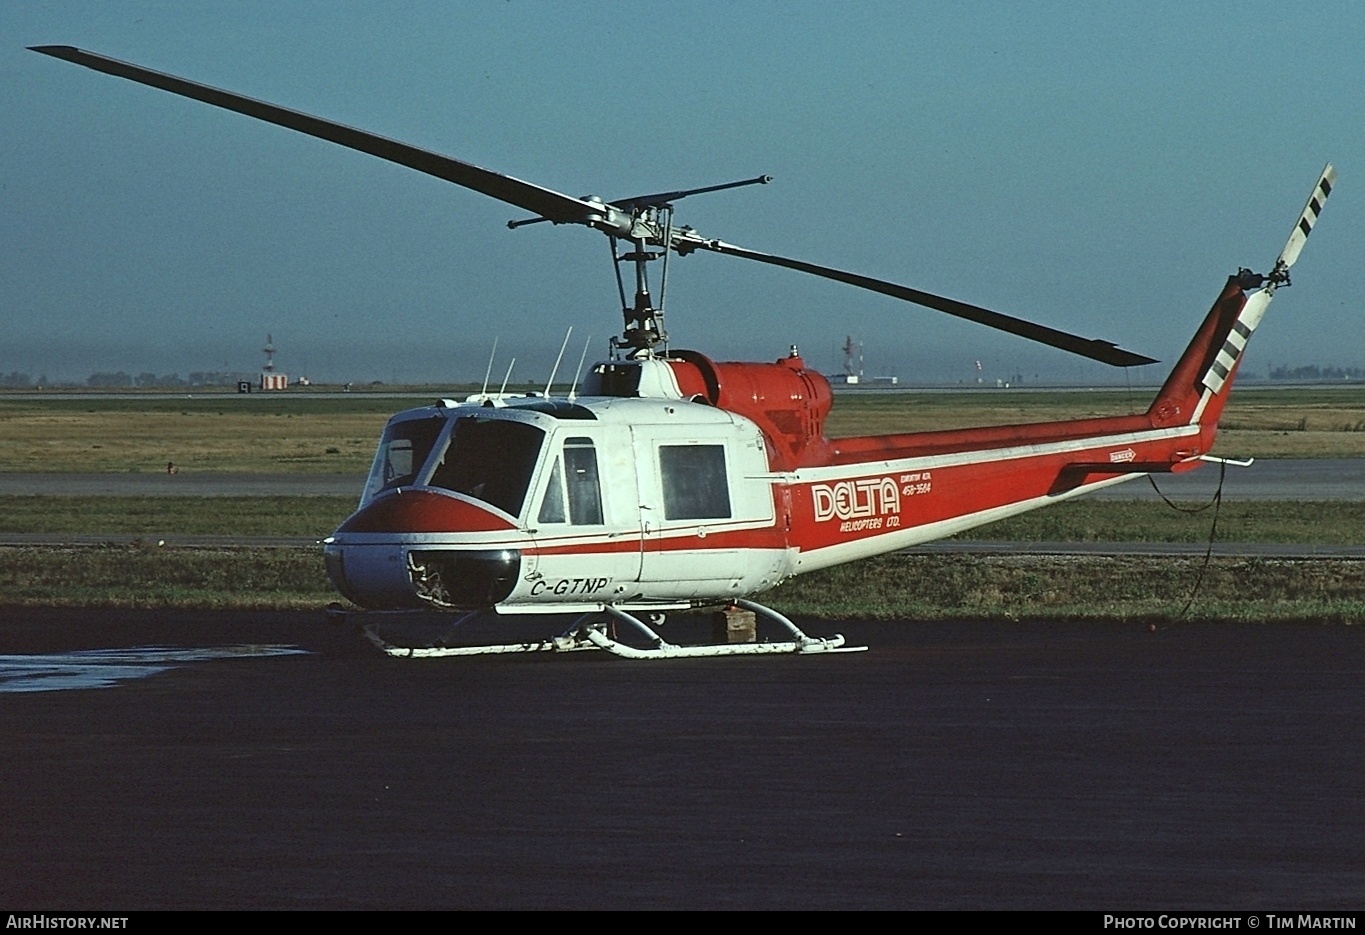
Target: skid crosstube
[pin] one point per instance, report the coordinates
(590, 631)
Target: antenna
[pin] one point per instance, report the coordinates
(503, 389)
(557, 360)
(489, 372)
(573, 390)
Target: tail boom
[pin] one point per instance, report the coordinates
(870, 494)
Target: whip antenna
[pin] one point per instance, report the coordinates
(555, 369)
(489, 372)
(573, 390)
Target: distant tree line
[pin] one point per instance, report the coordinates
(16, 379)
(1313, 373)
(105, 380)
(120, 380)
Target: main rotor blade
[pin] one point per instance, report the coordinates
(1103, 351)
(557, 207)
(659, 199)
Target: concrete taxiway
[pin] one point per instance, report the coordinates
(1303, 479)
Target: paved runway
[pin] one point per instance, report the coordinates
(954, 765)
(1287, 479)
(1306, 479)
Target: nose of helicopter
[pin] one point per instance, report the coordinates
(408, 510)
(386, 556)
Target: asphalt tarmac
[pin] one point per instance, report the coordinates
(954, 765)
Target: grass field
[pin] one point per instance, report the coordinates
(291, 434)
(192, 579)
(1022, 587)
(215, 434)
(264, 433)
(894, 587)
(293, 517)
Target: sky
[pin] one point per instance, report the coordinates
(1100, 168)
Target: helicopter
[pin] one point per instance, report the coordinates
(673, 482)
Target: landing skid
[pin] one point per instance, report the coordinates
(591, 631)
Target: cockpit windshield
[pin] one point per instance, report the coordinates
(402, 452)
(491, 460)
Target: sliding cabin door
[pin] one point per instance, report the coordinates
(706, 507)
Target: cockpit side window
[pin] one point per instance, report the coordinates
(402, 452)
(552, 507)
(577, 483)
(580, 478)
(491, 460)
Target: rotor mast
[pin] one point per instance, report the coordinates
(644, 324)
(643, 221)
(650, 224)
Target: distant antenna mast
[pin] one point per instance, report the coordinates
(269, 352)
(853, 373)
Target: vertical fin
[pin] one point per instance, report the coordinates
(1236, 341)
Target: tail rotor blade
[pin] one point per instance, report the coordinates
(1308, 218)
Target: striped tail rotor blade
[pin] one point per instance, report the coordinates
(1259, 300)
(1308, 218)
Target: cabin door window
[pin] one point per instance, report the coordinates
(695, 484)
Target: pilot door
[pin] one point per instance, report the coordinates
(583, 520)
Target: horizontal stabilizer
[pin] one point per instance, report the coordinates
(1131, 467)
